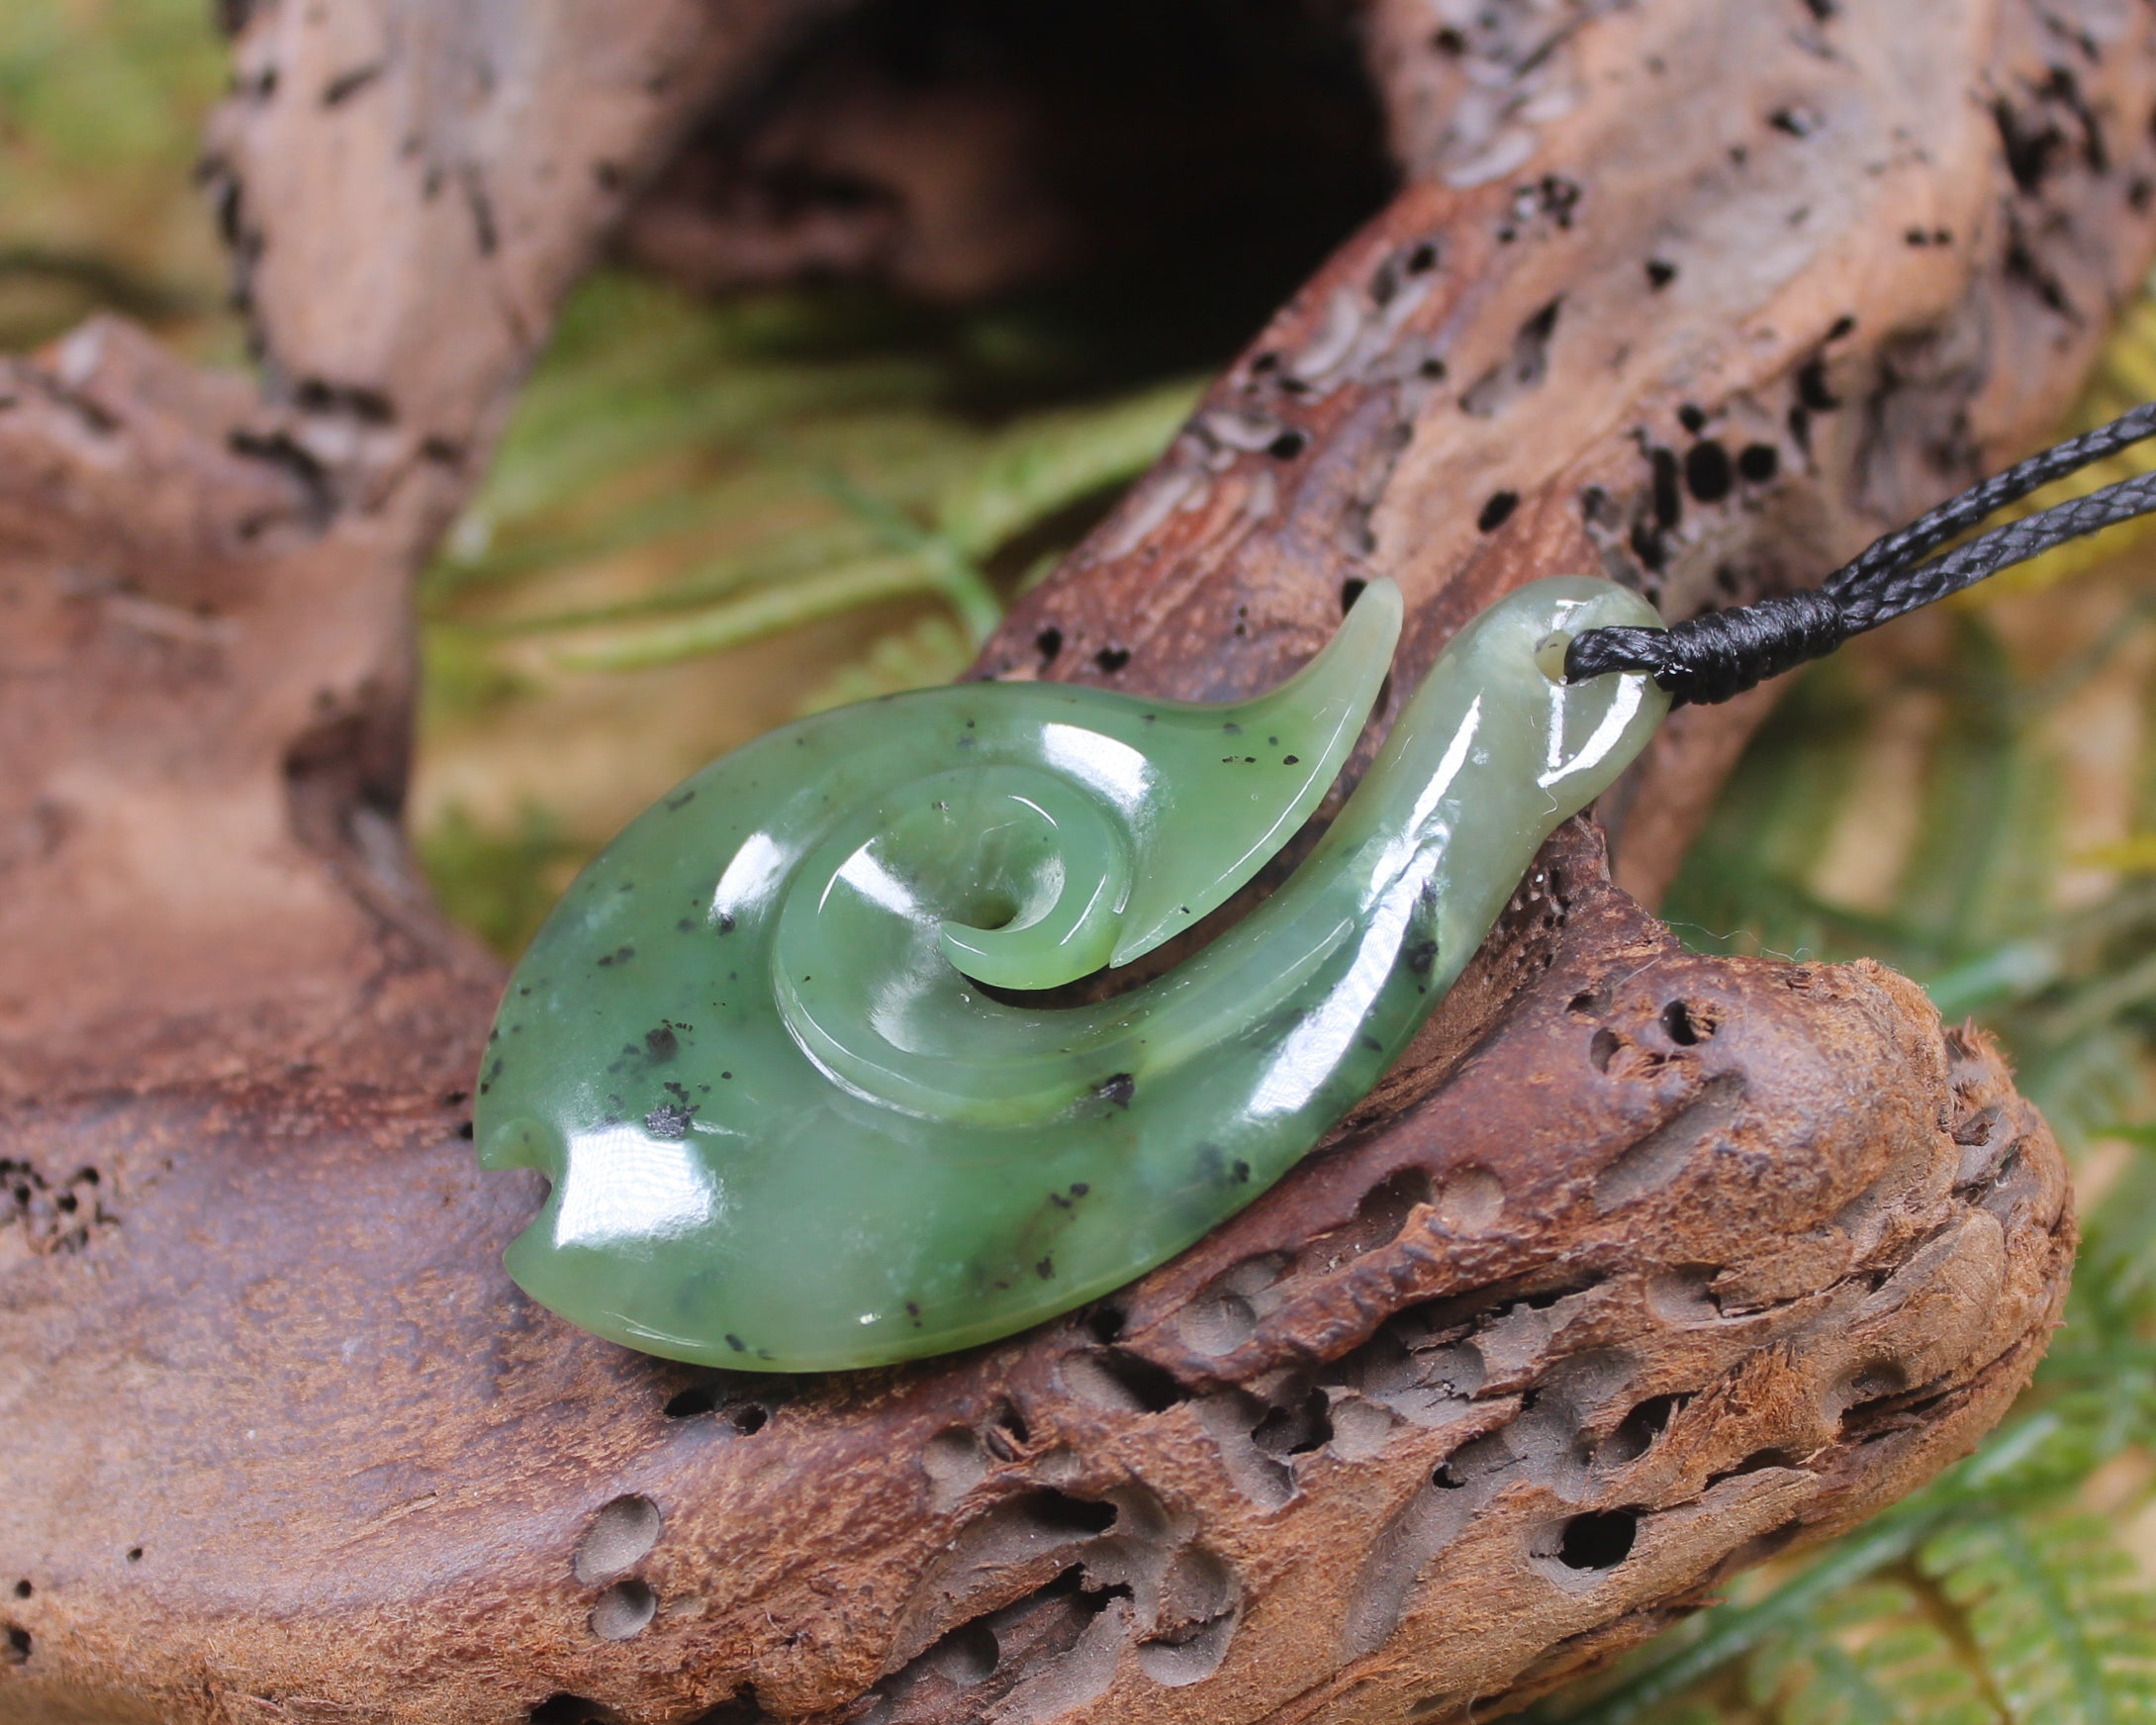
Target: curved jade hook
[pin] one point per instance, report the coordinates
(787, 1126)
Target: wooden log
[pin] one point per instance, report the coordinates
(1640, 1266)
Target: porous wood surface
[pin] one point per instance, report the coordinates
(1640, 1266)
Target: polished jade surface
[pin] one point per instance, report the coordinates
(787, 1126)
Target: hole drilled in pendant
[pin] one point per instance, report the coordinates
(1549, 654)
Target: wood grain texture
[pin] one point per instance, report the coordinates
(1642, 1264)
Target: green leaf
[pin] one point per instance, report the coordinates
(1046, 464)
(500, 883)
(2064, 1628)
(1870, 1655)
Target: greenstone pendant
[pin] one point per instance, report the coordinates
(787, 1126)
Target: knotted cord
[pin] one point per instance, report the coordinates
(1722, 653)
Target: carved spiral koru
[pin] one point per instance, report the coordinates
(787, 1125)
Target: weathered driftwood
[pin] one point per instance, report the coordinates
(1640, 1266)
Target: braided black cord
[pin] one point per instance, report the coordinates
(1957, 515)
(1722, 653)
(1906, 590)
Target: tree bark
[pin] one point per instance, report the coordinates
(1640, 1266)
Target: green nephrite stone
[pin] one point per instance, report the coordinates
(788, 1128)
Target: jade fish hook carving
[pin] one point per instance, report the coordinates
(788, 1128)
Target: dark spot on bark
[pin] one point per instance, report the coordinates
(281, 449)
(1758, 463)
(1424, 258)
(1686, 1025)
(1288, 444)
(2029, 149)
(1797, 121)
(2063, 87)
(1048, 642)
(1660, 274)
(1812, 390)
(1636, 1432)
(1669, 500)
(345, 85)
(1707, 471)
(1113, 660)
(2025, 265)
(1497, 510)
(317, 395)
(1350, 590)
(1693, 418)
(1600, 1540)
(1648, 547)
(1521, 370)
(485, 235)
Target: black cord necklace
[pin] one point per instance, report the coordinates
(1722, 653)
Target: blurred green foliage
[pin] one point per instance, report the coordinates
(101, 110)
(706, 487)
(685, 481)
(718, 474)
